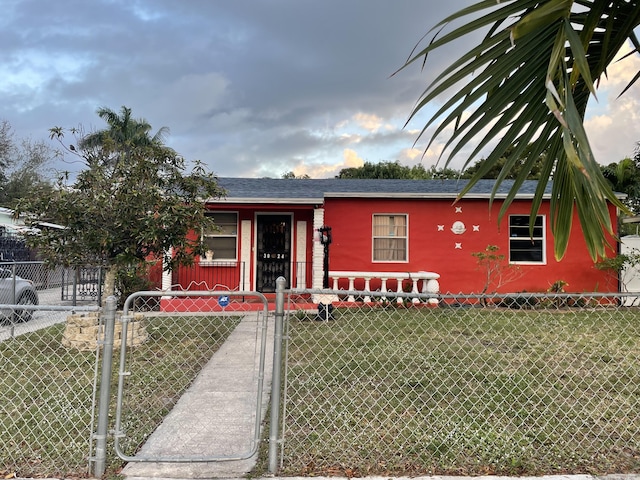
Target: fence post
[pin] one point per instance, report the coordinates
(99, 285)
(281, 283)
(105, 384)
(13, 289)
(76, 273)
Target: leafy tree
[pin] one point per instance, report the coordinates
(527, 83)
(615, 266)
(27, 173)
(380, 170)
(624, 177)
(394, 170)
(485, 170)
(134, 201)
(444, 173)
(290, 174)
(21, 166)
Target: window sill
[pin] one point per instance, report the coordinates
(218, 263)
(389, 261)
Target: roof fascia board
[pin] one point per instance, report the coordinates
(482, 196)
(262, 200)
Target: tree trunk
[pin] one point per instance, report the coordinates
(109, 283)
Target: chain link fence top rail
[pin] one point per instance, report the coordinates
(517, 384)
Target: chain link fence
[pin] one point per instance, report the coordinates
(47, 386)
(52, 285)
(517, 384)
(47, 392)
(52, 366)
(404, 384)
(49, 357)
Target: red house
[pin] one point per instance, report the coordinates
(383, 232)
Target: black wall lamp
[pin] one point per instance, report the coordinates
(325, 240)
(325, 311)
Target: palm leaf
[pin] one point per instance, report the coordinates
(534, 91)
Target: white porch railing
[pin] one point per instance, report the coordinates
(422, 282)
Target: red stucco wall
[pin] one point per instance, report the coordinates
(438, 249)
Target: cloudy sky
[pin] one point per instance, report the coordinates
(252, 88)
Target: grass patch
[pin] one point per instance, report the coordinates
(45, 395)
(46, 391)
(463, 391)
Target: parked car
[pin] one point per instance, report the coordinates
(25, 294)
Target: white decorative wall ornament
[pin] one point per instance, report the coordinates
(458, 209)
(458, 228)
(476, 228)
(441, 228)
(458, 246)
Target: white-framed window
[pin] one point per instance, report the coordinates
(222, 241)
(389, 233)
(523, 247)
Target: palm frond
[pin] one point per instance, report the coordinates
(527, 83)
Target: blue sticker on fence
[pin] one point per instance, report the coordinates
(223, 300)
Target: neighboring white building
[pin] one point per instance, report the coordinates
(630, 277)
(12, 225)
(8, 222)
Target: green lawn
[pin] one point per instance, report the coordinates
(394, 391)
(384, 391)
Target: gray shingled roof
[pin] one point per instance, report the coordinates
(278, 190)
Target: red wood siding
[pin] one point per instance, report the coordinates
(229, 274)
(432, 246)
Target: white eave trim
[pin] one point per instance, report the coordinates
(381, 195)
(264, 200)
(524, 196)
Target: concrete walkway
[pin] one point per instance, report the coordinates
(216, 416)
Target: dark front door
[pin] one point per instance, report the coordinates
(273, 251)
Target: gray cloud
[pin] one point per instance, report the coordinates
(247, 86)
(241, 85)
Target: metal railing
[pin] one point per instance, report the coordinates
(13, 247)
(231, 275)
(212, 275)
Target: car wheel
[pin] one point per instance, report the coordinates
(27, 298)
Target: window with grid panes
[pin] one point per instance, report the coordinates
(523, 246)
(389, 238)
(223, 240)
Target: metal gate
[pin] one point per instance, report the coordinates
(82, 284)
(207, 403)
(273, 256)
